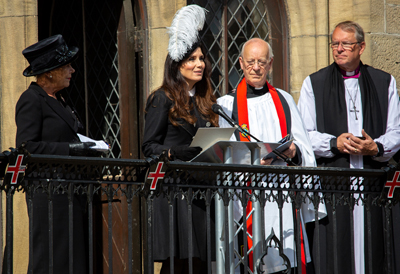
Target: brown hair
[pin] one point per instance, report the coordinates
(174, 86)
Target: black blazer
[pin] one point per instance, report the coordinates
(159, 133)
(46, 124)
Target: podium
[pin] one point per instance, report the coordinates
(234, 152)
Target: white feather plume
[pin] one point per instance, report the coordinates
(184, 30)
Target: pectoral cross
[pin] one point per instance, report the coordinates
(355, 111)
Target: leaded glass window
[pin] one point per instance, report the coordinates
(94, 90)
(230, 23)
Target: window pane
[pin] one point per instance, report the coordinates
(243, 20)
(100, 52)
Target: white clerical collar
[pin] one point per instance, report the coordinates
(351, 74)
(259, 88)
(192, 92)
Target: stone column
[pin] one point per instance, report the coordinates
(160, 14)
(308, 40)
(18, 29)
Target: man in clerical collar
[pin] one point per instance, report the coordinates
(270, 114)
(256, 60)
(352, 113)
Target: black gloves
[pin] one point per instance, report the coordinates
(184, 153)
(82, 149)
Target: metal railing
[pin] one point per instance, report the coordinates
(218, 187)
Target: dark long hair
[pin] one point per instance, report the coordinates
(174, 86)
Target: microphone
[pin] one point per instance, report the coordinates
(218, 110)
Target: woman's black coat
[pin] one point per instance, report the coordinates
(47, 126)
(160, 135)
(44, 123)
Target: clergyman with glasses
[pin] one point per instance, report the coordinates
(352, 114)
(270, 114)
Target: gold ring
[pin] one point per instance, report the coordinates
(355, 150)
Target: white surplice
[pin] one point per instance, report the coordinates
(264, 125)
(321, 141)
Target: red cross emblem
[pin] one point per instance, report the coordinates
(16, 169)
(155, 176)
(393, 184)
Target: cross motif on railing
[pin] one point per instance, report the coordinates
(16, 169)
(393, 184)
(156, 175)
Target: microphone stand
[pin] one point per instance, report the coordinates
(218, 110)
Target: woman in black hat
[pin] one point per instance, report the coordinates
(174, 113)
(47, 125)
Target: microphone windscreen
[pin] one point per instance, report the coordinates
(216, 108)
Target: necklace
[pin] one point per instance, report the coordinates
(353, 101)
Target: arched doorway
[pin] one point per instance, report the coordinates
(105, 93)
(96, 89)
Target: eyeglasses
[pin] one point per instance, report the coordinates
(261, 63)
(345, 45)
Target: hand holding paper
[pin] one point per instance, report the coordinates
(99, 144)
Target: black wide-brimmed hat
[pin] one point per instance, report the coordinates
(48, 54)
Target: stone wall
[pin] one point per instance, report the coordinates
(311, 21)
(160, 14)
(385, 37)
(18, 29)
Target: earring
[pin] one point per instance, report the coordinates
(51, 76)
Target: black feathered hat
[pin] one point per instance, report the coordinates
(48, 54)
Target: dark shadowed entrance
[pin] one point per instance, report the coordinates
(105, 92)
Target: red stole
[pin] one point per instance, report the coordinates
(243, 117)
(241, 95)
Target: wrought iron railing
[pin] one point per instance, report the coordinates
(216, 186)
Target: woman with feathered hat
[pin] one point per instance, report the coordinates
(174, 112)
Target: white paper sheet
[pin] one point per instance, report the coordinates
(100, 145)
